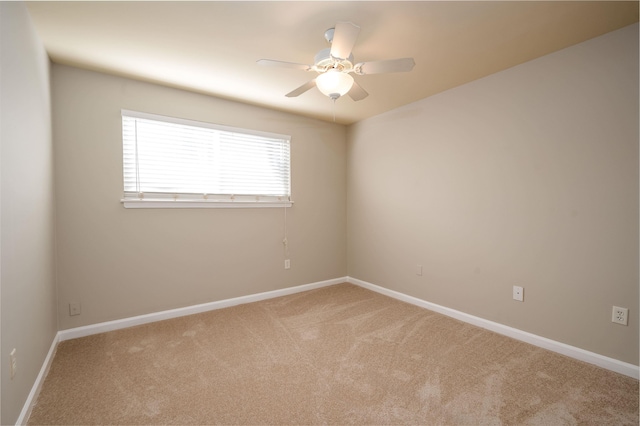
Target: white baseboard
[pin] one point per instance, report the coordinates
(88, 330)
(542, 342)
(37, 385)
(74, 333)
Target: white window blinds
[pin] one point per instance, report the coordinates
(173, 159)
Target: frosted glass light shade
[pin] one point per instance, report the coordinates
(334, 83)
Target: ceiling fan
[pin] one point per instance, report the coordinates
(335, 64)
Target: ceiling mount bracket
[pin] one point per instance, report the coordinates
(328, 35)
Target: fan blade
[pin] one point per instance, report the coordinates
(300, 90)
(357, 93)
(344, 38)
(282, 64)
(391, 65)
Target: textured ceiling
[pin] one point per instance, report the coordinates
(212, 47)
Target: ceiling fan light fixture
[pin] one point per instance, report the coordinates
(334, 83)
(335, 64)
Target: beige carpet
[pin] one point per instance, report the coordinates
(336, 355)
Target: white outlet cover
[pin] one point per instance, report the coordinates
(518, 293)
(620, 315)
(74, 309)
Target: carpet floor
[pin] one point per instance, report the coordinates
(336, 355)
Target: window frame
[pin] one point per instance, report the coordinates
(196, 200)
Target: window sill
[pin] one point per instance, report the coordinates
(201, 204)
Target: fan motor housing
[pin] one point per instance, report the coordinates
(324, 62)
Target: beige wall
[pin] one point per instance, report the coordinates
(27, 286)
(527, 177)
(119, 262)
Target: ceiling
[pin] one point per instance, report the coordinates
(212, 47)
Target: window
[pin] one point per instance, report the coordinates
(171, 162)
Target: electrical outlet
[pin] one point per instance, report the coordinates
(620, 315)
(518, 293)
(287, 264)
(419, 270)
(14, 362)
(74, 309)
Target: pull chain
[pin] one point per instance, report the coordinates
(334, 109)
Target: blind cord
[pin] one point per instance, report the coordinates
(285, 241)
